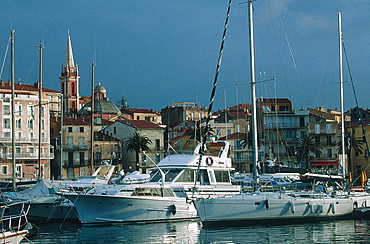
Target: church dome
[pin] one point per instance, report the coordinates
(99, 88)
(100, 107)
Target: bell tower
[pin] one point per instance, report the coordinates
(69, 83)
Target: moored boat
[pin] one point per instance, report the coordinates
(166, 197)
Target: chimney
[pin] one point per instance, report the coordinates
(2, 82)
(36, 85)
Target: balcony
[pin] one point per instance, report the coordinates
(22, 140)
(285, 125)
(27, 156)
(73, 147)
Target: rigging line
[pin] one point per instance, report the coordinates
(294, 63)
(5, 55)
(201, 150)
(322, 76)
(278, 49)
(356, 100)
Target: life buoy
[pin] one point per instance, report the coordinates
(209, 161)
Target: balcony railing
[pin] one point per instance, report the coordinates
(286, 125)
(27, 156)
(22, 140)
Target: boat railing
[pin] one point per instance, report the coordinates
(7, 221)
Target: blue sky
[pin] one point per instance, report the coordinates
(158, 52)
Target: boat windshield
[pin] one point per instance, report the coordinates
(170, 175)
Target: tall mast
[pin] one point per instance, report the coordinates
(13, 109)
(343, 164)
(92, 119)
(40, 110)
(253, 95)
(61, 135)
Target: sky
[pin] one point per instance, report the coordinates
(155, 53)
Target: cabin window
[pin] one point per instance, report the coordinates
(141, 191)
(186, 176)
(222, 176)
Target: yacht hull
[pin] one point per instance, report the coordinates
(246, 209)
(95, 209)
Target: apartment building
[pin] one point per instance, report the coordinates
(32, 151)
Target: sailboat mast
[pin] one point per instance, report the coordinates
(253, 95)
(92, 119)
(40, 111)
(13, 109)
(343, 163)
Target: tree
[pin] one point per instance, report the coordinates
(306, 145)
(247, 141)
(122, 103)
(351, 143)
(137, 143)
(197, 132)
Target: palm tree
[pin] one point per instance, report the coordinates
(350, 142)
(306, 145)
(247, 141)
(137, 143)
(197, 132)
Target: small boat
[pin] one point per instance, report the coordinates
(268, 207)
(46, 205)
(166, 197)
(14, 227)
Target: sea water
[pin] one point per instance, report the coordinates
(340, 231)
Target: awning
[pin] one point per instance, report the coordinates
(318, 163)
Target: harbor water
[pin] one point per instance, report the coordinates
(338, 231)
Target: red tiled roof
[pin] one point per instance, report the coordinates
(234, 136)
(25, 87)
(143, 124)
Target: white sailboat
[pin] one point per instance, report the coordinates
(257, 206)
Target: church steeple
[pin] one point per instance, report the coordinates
(69, 82)
(69, 57)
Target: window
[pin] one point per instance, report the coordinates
(7, 134)
(30, 124)
(18, 150)
(328, 140)
(69, 129)
(6, 123)
(330, 153)
(30, 110)
(4, 169)
(114, 130)
(31, 150)
(18, 170)
(81, 129)
(237, 128)
(82, 158)
(222, 176)
(43, 124)
(18, 123)
(81, 141)
(19, 110)
(43, 111)
(6, 109)
(317, 129)
(228, 132)
(31, 136)
(157, 145)
(186, 176)
(69, 141)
